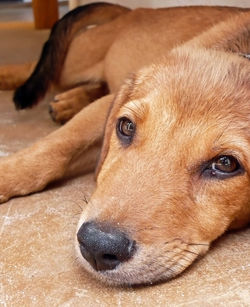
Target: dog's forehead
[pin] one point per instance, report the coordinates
(183, 102)
(180, 103)
(203, 85)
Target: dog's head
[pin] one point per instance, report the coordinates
(174, 169)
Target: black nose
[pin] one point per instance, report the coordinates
(103, 246)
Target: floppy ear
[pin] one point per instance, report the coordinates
(122, 97)
(232, 35)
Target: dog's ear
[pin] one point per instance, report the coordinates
(231, 35)
(122, 97)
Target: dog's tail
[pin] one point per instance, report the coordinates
(54, 51)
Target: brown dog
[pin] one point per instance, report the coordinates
(173, 173)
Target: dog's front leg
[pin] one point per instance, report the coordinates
(31, 169)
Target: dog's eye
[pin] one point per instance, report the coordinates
(125, 130)
(223, 167)
(225, 164)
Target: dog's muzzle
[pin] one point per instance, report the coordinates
(103, 246)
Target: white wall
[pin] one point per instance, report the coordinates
(167, 3)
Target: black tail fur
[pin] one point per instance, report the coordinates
(55, 49)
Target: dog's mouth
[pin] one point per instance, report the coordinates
(112, 257)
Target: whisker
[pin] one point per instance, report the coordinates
(79, 206)
(193, 244)
(85, 199)
(186, 259)
(191, 252)
(76, 214)
(77, 203)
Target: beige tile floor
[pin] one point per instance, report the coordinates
(37, 260)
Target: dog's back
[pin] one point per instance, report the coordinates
(151, 34)
(122, 42)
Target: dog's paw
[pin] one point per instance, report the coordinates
(7, 175)
(12, 181)
(60, 113)
(67, 104)
(3, 199)
(30, 170)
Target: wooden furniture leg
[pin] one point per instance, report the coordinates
(45, 13)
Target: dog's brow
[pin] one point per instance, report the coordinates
(136, 108)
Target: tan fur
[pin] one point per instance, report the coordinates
(189, 97)
(67, 104)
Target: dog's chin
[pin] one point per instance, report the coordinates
(148, 265)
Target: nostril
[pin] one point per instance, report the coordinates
(88, 256)
(104, 247)
(109, 257)
(107, 262)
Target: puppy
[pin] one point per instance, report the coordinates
(173, 173)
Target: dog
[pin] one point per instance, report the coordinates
(167, 93)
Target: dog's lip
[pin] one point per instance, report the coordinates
(140, 273)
